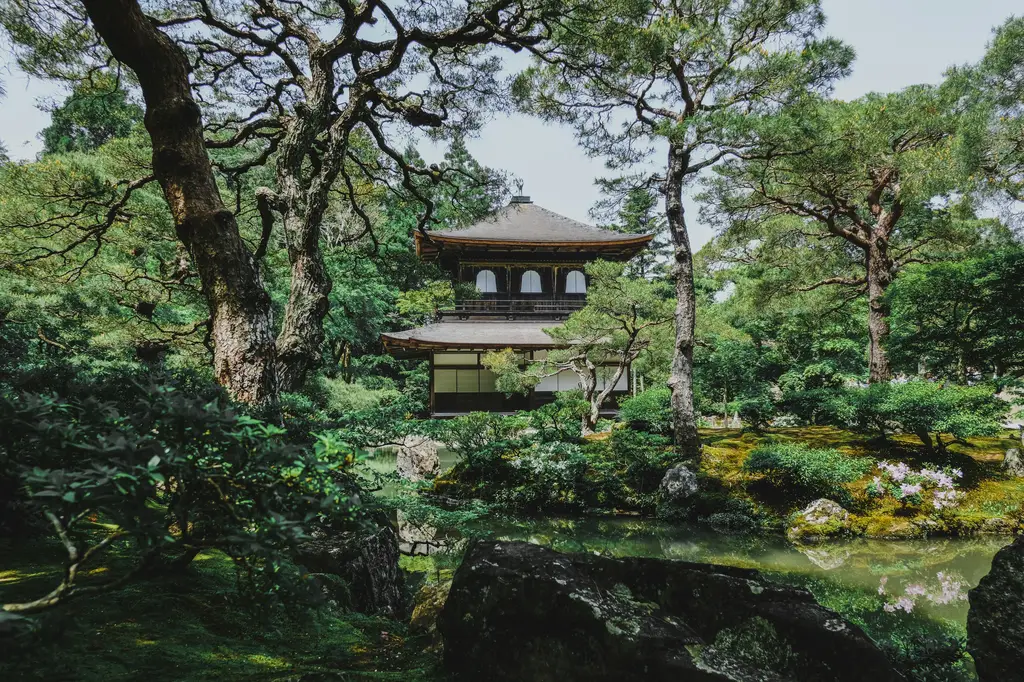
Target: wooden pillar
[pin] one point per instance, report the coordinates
(430, 401)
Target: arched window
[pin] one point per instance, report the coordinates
(575, 283)
(531, 283)
(485, 282)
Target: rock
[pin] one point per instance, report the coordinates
(518, 611)
(357, 569)
(819, 520)
(827, 557)
(678, 485)
(416, 539)
(417, 458)
(995, 620)
(1013, 463)
(426, 610)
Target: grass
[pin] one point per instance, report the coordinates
(993, 502)
(195, 627)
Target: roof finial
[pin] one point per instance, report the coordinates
(519, 197)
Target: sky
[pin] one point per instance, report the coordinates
(898, 43)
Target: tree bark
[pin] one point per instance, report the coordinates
(684, 420)
(878, 267)
(241, 319)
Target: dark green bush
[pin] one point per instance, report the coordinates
(804, 472)
(820, 406)
(924, 408)
(649, 411)
(560, 420)
(641, 458)
(169, 477)
(756, 411)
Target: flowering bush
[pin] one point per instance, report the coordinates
(915, 487)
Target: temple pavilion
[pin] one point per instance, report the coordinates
(527, 265)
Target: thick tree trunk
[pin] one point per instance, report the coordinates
(302, 330)
(242, 330)
(879, 275)
(687, 441)
(303, 203)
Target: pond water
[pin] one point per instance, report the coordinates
(928, 577)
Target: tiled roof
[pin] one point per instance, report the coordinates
(527, 222)
(475, 334)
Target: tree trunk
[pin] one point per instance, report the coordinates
(687, 441)
(878, 267)
(588, 382)
(302, 330)
(303, 203)
(241, 323)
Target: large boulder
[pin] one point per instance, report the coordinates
(518, 611)
(820, 520)
(995, 621)
(677, 487)
(417, 458)
(357, 569)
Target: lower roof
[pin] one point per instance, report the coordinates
(474, 334)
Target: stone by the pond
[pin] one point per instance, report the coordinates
(518, 612)
(1013, 463)
(995, 621)
(358, 569)
(417, 458)
(678, 484)
(821, 519)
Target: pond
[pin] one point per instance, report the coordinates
(929, 577)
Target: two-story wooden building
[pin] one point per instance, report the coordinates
(527, 265)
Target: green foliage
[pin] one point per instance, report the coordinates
(640, 459)
(480, 438)
(170, 476)
(547, 476)
(96, 112)
(758, 411)
(818, 406)
(924, 408)
(649, 411)
(961, 320)
(805, 472)
(559, 420)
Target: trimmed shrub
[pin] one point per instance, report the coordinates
(757, 411)
(649, 411)
(820, 406)
(805, 472)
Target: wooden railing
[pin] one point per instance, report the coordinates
(515, 307)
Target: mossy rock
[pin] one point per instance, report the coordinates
(820, 520)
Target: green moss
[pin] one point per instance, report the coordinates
(991, 503)
(195, 627)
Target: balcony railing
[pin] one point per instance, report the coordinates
(512, 308)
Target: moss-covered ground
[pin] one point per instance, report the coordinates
(194, 626)
(992, 501)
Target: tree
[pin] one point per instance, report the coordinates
(96, 112)
(313, 92)
(863, 173)
(962, 320)
(597, 343)
(239, 307)
(994, 87)
(677, 77)
(303, 86)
